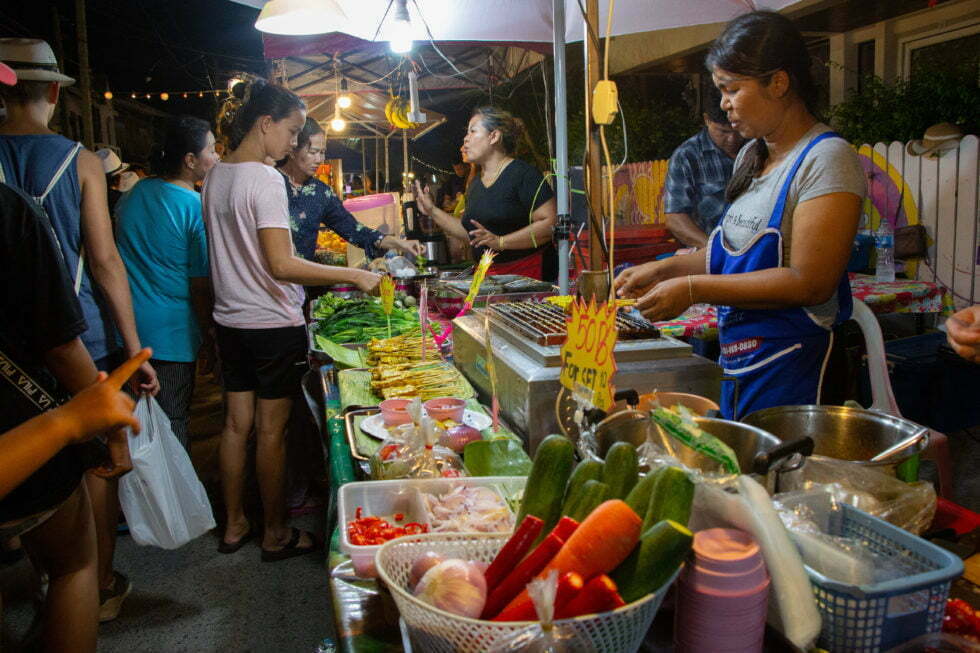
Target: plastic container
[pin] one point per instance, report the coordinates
(436, 631)
(952, 515)
(384, 498)
(443, 408)
(395, 411)
(877, 616)
(885, 252)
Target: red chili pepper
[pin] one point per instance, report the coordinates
(569, 585)
(399, 516)
(514, 583)
(599, 595)
(516, 548)
(565, 527)
(359, 512)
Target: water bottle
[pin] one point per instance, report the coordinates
(885, 252)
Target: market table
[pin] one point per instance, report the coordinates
(900, 296)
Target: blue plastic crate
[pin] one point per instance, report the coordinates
(876, 617)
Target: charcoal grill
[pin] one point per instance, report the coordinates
(546, 324)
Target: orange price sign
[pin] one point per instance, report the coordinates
(587, 358)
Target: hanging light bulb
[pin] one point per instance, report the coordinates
(200, 94)
(185, 96)
(400, 29)
(133, 95)
(165, 96)
(343, 100)
(107, 95)
(298, 17)
(338, 124)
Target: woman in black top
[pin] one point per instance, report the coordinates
(509, 207)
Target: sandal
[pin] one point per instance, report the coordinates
(292, 548)
(231, 547)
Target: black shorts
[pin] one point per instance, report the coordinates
(268, 362)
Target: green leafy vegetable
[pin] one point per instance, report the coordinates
(360, 320)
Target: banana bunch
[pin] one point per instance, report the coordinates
(396, 111)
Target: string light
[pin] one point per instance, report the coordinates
(165, 96)
(107, 95)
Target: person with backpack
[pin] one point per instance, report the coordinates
(68, 183)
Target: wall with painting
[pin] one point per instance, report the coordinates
(941, 193)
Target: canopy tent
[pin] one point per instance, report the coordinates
(535, 22)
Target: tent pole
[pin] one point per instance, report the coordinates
(563, 228)
(593, 163)
(377, 168)
(387, 166)
(405, 185)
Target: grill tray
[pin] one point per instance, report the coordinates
(546, 324)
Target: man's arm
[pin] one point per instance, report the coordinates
(105, 264)
(685, 230)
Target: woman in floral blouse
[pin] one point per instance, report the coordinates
(313, 203)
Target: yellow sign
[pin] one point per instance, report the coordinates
(588, 364)
(387, 289)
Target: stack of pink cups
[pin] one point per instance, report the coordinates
(722, 597)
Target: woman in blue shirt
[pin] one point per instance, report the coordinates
(313, 203)
(161, 239)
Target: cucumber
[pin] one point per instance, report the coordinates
(639, 497)
(620, 470)
(671, 498)
(546, 483)
(660, 552)
(589, 495)
(587, 470)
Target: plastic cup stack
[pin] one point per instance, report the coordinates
(723, 596)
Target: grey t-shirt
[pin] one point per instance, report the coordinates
(832, 166)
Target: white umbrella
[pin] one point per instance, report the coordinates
(532, 21)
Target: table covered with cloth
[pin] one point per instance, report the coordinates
(899, 296)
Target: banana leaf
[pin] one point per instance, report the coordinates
(499, 457)
(343, 356)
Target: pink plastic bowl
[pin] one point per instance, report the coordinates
(395, 411)
(443, 408)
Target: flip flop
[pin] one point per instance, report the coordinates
(292, 548)
(231, 547)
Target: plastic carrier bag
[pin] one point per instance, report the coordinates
(410, 451)
(163, 500)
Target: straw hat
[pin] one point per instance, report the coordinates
(33, 60)
(7, 75)
(111, 163)
(937, 139)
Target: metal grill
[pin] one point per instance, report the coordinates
(546, 324)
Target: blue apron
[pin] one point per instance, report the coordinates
(770, 357)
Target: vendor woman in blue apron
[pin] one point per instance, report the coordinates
(776, 265)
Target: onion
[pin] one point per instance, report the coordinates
(422, 564)
(455, 586)
(457, 437)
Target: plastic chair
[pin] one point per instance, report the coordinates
(883, 399)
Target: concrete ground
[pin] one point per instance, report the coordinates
(195, 599)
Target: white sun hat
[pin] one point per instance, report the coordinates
(33, 60)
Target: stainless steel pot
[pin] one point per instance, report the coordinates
(841, 433)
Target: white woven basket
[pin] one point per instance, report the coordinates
(437, 631)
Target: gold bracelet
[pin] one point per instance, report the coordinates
(690, 288)
(500, 243)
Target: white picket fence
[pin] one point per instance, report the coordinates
(942, 194)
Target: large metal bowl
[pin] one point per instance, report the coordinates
(745, 440)
(841, 433)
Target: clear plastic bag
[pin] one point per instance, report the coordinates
(411, 452)
(164, 502)
(907, 505)
(544, 636)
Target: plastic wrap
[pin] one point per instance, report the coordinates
(907, 505)
(544, 636)
(744, 504)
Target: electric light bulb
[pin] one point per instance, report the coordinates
(400, 36)
(338, 124)
(133, 96)
(165, 96)
(107, 95)
(344, 101)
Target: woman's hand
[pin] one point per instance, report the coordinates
(410, 248)
(665, 300)
(367, 282)
(637, 280)
(480, 237)
(424, 199)
(963, 333)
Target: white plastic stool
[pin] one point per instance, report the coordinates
(883, 399)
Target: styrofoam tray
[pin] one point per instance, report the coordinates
(383, 498)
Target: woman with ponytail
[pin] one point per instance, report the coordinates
(258, 306)
(776, 265)
(160, 235)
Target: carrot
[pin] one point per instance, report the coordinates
(601, 542)
(569, 586)
(598, 595)
(513, 551)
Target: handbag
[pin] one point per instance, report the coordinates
(911, 242)
(164, 502)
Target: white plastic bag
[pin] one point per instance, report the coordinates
(164, 502)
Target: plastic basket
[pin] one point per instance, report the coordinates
(878, 616)
(437, 631)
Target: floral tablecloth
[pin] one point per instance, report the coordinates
(900, 296)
